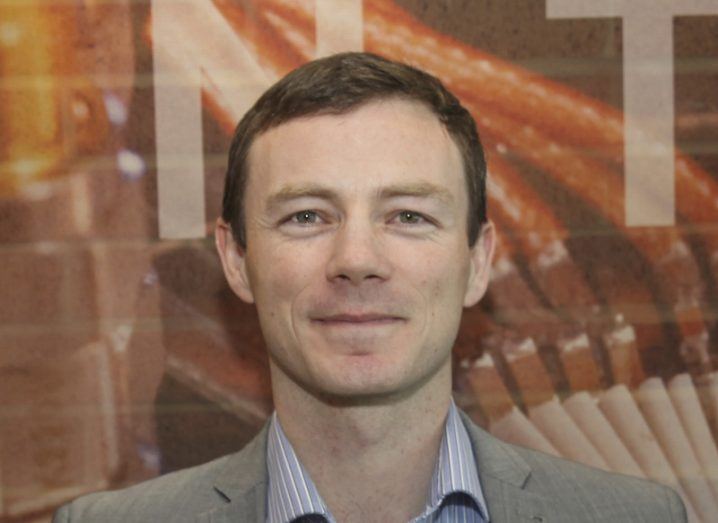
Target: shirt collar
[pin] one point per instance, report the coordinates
(455, 471)
(292, 492)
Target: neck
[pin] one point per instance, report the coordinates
(358, 453)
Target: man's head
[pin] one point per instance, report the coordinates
(337, 85)
(354, 246)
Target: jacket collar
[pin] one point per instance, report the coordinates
(496, 459)
(505, 480)
(242, 484)
(503, 473)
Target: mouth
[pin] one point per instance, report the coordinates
(358, 335)
(358, 320)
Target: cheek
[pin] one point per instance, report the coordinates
(444, 273)
(438, 277)
(279, 275)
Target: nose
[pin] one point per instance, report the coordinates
(358, 254)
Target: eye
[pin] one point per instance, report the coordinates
(411, 217)
(305, 217)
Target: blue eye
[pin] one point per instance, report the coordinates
(410, 217)
(304, 217)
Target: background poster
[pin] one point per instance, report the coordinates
(124, 355)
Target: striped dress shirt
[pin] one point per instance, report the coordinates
(455, 494)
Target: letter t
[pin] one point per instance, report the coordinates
(647, 96)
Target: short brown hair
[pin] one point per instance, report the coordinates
(338, 84)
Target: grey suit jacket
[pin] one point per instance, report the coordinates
(519, 485)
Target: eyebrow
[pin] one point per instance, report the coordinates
(412, 189)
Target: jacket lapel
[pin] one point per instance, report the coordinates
(504, 477)
(241, 485)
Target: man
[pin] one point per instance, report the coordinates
(354, 218)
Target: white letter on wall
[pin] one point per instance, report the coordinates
(647, 96)
(339, 26)
(193, 47)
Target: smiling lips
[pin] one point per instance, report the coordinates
(370, 319)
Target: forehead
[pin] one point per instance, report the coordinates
(380, 143)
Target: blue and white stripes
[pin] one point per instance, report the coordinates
(455, 494)
(291, 492)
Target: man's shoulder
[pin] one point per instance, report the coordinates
(165, 498)
(586, 492)
(550, 473)
(179, 496)
(608, 495)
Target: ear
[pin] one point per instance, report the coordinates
(234, 261)
(482, 254)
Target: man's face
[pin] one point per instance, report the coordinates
(357, 252)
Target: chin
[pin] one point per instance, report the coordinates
(369, 381)
(364, 394)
